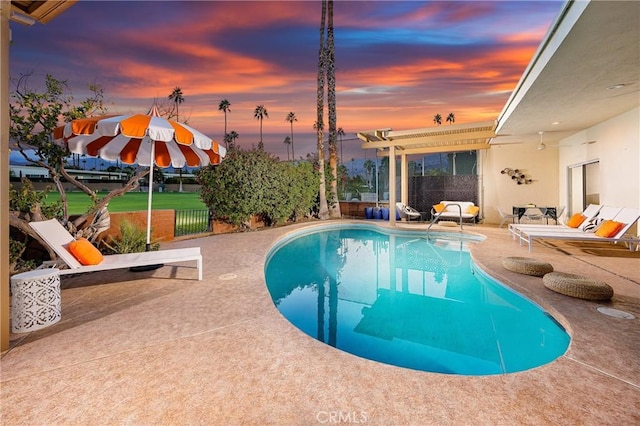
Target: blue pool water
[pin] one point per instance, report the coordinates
(407, 300)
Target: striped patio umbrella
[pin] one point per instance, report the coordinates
(142, 139)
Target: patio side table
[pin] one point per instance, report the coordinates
(35, 300)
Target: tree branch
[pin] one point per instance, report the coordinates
(23, 226)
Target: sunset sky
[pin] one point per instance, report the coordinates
(398, 63)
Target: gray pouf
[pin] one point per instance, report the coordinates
(527, 266)
(577, 286)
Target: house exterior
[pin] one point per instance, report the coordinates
(571, 126)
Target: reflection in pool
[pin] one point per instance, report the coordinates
(402, 299)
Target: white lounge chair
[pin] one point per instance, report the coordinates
(589, 213)
(58, 238)
(588, 225)
(408, 212)
(627, 216)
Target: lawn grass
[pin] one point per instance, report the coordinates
(79, 202)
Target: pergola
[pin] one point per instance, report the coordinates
(429, 140)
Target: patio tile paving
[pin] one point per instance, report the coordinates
(163, 348)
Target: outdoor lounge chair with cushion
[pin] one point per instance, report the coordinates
(577, 221)
(582, 225)
(408, 212)
(59, 239)
(612, 230)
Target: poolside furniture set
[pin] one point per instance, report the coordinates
(83, 260)
(595, 223)
(36, 294)
(572, 285)
(455, 210)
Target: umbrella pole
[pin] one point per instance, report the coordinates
(148, 246)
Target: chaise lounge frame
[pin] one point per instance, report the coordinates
(589, 213)
(58, 238)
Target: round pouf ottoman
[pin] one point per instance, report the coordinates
(527, 266)
(577, 286)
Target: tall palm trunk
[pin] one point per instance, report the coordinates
(334, 206)
(293, 154)
(323, 212)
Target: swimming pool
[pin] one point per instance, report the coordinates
(401, 298)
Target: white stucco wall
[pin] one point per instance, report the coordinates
(500, 190)
(617, 148)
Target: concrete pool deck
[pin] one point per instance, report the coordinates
(160, 347)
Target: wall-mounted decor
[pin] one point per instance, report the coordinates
(517, 176)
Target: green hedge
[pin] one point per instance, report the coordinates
(253, 182)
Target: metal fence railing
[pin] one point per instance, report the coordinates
(193, 222)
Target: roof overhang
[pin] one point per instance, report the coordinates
(584, 72)
(451, 138)
(30, 12)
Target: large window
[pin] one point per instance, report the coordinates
(444, 164)
(450, 176)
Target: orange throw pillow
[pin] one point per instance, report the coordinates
(85, 252)
(575, 220)
(438, 207)
(473, 210)
(609, 229)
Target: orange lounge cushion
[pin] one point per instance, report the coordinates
(609, 229)
(473, 210)
(438, 207)
(85, 252)
(575, 220)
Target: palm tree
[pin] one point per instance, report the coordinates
(227, 140)
(177, 98)
(287, 142)
(334, 208)
(341, 134)
(291, 117)
(259, 114)
(451, 118)
(368, 166)
(225, 106)
(437, 119)
(233, 135)
(323, 210)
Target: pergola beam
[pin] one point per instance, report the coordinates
(437, 149)
(426, 139)
(427, 142)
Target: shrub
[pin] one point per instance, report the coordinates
(16, 263)
(132, 240)
(253, 182)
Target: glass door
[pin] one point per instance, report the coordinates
(584, 187)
